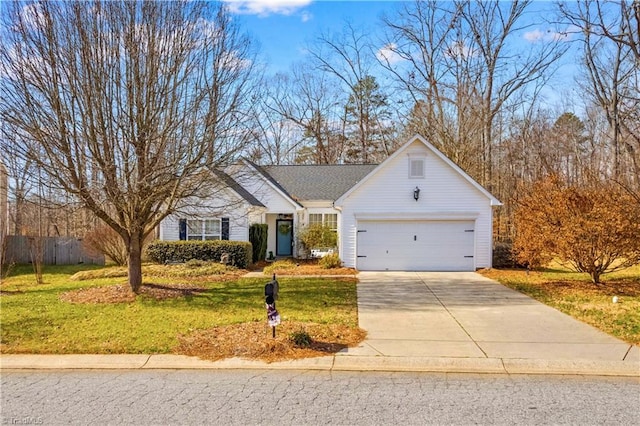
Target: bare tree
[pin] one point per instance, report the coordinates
(279, 137)
(463, 70)
(609, 39)
(427, 55)
(123, 104)
(309, 100)
(617, 20)
(349, 58)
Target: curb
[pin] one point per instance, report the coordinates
(328, 363)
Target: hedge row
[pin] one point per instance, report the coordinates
(240, 252)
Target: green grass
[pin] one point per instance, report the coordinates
(574, 294)
(33, 319)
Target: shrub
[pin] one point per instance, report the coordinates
(258, 233)
(104, 240)
(330, 261)
(301, 338)
(318, 236)
(593, 228)
(503, 256)
(240, 252)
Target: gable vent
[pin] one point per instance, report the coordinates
(416, 167)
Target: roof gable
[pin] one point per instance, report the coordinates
(493, 200)
(273, 184)
(237, 188)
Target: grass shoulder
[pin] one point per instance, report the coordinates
(574, 294)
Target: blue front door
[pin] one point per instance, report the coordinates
(284, 237)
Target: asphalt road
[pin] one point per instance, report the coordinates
(299, 398)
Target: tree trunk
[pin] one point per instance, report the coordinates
(135, 263)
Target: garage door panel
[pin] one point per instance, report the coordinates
(416, 245)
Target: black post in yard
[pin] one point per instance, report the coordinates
(271, 295)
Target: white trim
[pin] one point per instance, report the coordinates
(453, 216)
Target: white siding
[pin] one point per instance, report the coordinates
(444, 193)
(170, 228)
(225, 205)
(257, 185)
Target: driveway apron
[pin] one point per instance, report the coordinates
(465, 315)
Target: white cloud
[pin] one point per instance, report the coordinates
(537, 35)
(460, 50)
(533, 36)
(267, 7)
(32, 16)
(388, 54)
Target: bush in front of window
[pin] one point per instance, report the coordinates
(240, 252)
(318, 236)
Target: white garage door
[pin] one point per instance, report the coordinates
(415, 245)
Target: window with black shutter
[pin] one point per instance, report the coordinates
(183, 229)
(225, 228)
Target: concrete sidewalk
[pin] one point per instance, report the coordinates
(424, 322)
(338, 362)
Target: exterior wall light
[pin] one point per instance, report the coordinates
(416, 193)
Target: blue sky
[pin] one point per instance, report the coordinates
(284, 27)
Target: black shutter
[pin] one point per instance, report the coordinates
(183, 229)
(225, 228)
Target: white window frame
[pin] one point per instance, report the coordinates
(412, 160)
(324, 220)
(314, 222)
(204, 235)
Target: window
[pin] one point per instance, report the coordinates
(206, 229)
(315, 219)
(331, 220)
(326, 219)
(416, 168)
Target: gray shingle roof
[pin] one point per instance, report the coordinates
(317, 182)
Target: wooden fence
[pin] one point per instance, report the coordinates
(52, 250)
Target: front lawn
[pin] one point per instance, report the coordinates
(88, 314)
(574, 294)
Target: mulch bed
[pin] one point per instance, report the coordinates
(254, 340)
(308, 267)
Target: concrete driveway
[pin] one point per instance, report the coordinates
(465, 315)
